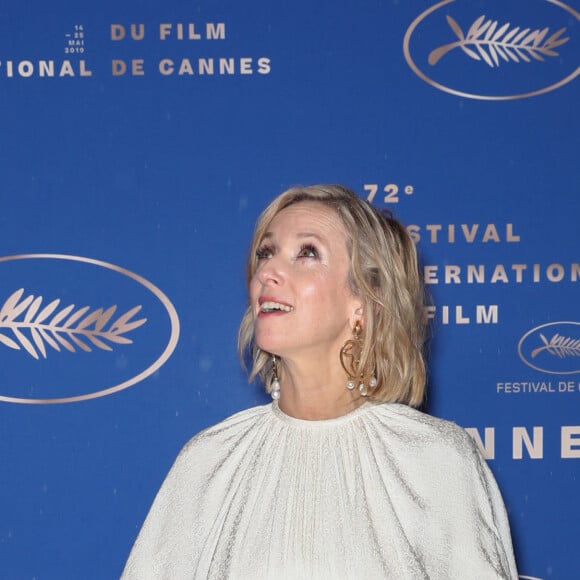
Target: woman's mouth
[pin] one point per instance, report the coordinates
(271, 306)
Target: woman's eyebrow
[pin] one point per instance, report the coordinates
(270, 235)
(311, 235)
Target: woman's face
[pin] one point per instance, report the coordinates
(300, 296)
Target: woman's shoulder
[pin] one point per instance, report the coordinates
(425, 432)
(422, 444)
(228, 432)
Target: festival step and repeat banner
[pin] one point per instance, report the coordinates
(140, 142)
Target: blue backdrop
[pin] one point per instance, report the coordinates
(139, 144)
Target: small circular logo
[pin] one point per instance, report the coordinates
(75, 328)
(552, 348)
(495, 52)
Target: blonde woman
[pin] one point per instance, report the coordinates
(340, 476)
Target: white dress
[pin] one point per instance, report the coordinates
(383, 492)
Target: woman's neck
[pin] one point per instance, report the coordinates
(315, 392)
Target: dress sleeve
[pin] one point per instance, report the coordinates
(493, 524)
(165, 546)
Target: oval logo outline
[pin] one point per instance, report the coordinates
(157, 363)
(532, 332)
(424, 77)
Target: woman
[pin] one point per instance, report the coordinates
(339, 477)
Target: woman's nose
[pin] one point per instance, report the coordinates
(271, 272)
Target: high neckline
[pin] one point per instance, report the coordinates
(316, 423)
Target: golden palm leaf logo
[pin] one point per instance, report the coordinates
(498, 44)
(558, 345)
(552, 348)
(491, 43)
(25, 323)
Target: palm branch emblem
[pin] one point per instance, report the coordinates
(488, 42)
(26, 324)
(558, 345)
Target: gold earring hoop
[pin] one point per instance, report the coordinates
(350, 355)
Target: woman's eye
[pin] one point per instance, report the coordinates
(264, 253)
(308, 251)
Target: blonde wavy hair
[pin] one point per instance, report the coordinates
(384, 273)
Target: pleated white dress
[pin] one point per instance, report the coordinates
(383, 492)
